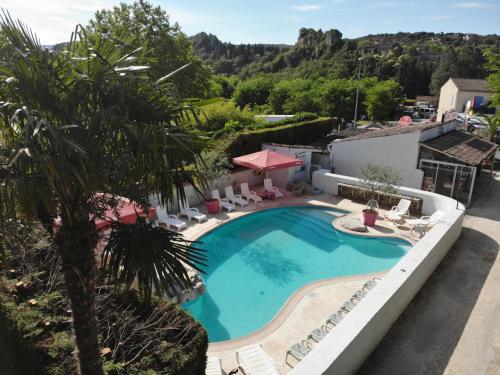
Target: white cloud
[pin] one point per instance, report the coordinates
(381, 4)
(54, 20)
(437, 18)
(307, 7)
(472, 5)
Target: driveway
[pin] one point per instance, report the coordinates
(453, 324)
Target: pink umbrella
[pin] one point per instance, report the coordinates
(267, 160)
(128, 212)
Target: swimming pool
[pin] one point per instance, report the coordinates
(256, 262)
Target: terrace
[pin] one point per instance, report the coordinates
(308, 307)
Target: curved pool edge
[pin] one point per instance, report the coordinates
(335, 224)
(284, 312)
(256, 209)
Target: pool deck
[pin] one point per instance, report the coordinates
(308, 307)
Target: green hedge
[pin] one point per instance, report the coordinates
(301, 133)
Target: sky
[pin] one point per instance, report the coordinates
(274, 21)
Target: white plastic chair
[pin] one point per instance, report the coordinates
(268, 186)
(234, 198)
(397, 212)
(168, 220)
(420, 225)
(191, 213)
(224, 203)
(249, 194)
(255, 361)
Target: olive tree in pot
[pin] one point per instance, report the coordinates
(377, 179)
(216, 166)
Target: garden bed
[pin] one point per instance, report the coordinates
(385, 200)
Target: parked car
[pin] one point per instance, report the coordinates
(426, 112)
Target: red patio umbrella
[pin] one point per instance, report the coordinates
(267, 160)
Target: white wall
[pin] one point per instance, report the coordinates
(288, 175)
(447, 98)
(432, 133)
(399, 152)
(345, 349)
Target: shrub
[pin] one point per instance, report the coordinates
(302, 132)
(35, 319)
(215, 116)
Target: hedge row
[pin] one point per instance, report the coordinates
(301, 133)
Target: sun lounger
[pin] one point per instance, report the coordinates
(420, 225)
(255, 361)
(214, 366)
(347, 306)
(359, 295)
(318, 334)
(234, 198)
(249, 194)
(224, 203)
(168, 220)
(397, 212)
(191, 213)
(298, 350)
(334, 318)
(268, 186)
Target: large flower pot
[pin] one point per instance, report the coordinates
(212, 206)
(369, 218)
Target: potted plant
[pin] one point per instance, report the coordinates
(377, 179)
(216, 166)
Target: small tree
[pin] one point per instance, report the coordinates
(378, 179)
(216, 166)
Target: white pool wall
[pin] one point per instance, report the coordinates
(345, 349)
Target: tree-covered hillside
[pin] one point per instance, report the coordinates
(419, 62)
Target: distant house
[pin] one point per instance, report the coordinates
(431, 156)
(456, 92)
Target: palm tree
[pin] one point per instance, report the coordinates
(493, 125)
(80, 122)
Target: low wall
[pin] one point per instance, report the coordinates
(351, 342)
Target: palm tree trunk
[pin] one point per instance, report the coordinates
(76, 246)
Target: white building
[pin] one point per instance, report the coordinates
(456, 92)
(434, 157)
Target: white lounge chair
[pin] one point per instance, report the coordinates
(255, 361)
(268, 186)
(168, 220)
(191, 213)
(234, 198)
(420, 225)
(318, 334)
(397, 212)
(298, 350)
(249, 194)
(214, 366)
(224, 203)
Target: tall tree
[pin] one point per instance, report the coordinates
(81, 122)
(447, 68)
(149, 27)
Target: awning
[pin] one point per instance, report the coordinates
(267, 160)
(462, 146)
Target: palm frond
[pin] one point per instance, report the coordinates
(153, 257)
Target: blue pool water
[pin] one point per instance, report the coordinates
(255, 263)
